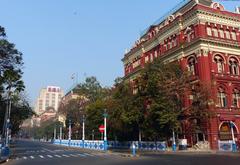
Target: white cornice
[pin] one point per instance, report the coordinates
(213, 18)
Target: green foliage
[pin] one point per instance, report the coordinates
(155, 108)
(20, 111)
(46, 131)
(94, 118)
(91, 89)
(11, 64)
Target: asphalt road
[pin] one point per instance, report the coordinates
(37, 153)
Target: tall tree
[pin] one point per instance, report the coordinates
(11, 83)
(10, 64)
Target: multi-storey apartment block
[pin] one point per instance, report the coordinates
(49, 97)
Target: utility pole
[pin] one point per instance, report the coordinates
(174, 142)
(60, 133)
(6, 130)
(105, 129)
(69, 132)
(83, 130)
(55, 133)
(234, 146)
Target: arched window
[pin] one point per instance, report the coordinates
(222, 98)
(235, 98)
(233, 66)
(220, 63)
(192, 65)
(189, 34)
(225, 132)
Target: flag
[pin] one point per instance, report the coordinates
(238, 9)
(73, 76)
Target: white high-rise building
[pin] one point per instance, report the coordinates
(49, 97)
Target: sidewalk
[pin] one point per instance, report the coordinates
(128, 153)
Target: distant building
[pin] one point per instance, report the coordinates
(30, 123)
(49, 97)
(49, 114)
(71, 95)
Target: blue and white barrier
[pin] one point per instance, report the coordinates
(225, 145)
(145, 146)
(4, 153)
(100, 145)
(88, 144)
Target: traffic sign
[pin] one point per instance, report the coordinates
(101, 128)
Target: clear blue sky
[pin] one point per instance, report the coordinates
(62, 37)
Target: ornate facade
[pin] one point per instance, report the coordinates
(205, 39)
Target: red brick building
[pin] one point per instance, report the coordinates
(205, 39)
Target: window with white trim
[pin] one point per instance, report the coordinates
(220, 63)
(215, 32)
(192, 65)
(221, 33)
(209, 31)
(222, 98)
(235, 98)
(233, 66)
(146, 59)
(234, 37)
(227, 34)
(155, 54)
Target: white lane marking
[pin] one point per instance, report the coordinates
(41, 156)
(49, 150)
(58, 156)
(32, 157)
(50, 156)
(88, 154)
(81, 155)
(58, 150)
(65, 156)
(25, 157)
(73, 155)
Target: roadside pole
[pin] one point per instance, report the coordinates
(105, 130)
(174, 142)
(133, 149)
(55, 132)
(83, 130)
(234, 146)
(69, 132)
(60, 136)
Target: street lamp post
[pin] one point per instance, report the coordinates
(174, 142)
(60, 133)
(234, 146)
(93, 134)
(83, 130)
(55, 133)
(7, 119)
(105, 129)
(69, 132)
